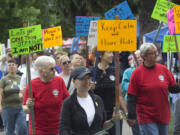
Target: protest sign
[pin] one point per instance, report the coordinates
(75, 42)
(82, 25)
(160, 10)
(8, 44)
(52, 37)
(0, 49)
(3, 50)
(122, 10)
(177, 18)
(117, 35)
(171, 25)
(92, 37)
(26, 40)
(169, 44)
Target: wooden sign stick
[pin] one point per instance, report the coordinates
(30, 91)
(117, 89)
(175, 38)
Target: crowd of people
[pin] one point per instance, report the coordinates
(66, 101)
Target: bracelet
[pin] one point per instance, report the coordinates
(112, 121)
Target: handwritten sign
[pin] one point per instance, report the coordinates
(169, 44)
(171, 25)
(26, 40)
(92, 37)
(52, 37)
(82, 25)
(122, 10)
(177, 18)
(160, 10)
(117, 35)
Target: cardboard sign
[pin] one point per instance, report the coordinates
(82, 25)
(169, 44)
(92, 37)
(3, 50)
(52, 37)
(122, 10)
(26, 40)
(177, 18)
(117, 35)
(171, 25)
(160, 10)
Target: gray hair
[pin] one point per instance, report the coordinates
(145, 47)
(137, 52)
(43, 61)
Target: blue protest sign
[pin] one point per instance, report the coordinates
(75, 44)
(122, 10)
(82, 25)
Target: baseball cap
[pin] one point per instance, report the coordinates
(80, 72)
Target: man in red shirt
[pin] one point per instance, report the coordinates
(49, 91)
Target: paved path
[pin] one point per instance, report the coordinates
(126, 129)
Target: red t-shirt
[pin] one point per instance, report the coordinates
(150, 86)
(48, 102)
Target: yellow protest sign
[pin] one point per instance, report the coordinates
(117, 35)
(52, 37)
(177, 18)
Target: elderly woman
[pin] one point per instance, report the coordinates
(49, 91)
(105, 85)
(148, 94)
(10, 104)
(83, 112)
(65, 64)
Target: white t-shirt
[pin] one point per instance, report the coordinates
(72, 86)
(23, 82)
(88, 106)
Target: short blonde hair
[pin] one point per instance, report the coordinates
(61, 58)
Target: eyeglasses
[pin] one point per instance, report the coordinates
(153, 53)
(66, 62)
(52, 68)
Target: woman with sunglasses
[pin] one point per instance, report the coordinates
(10, 104)
(105, 86)
(65, 64)
(83, 112)
(48, 91)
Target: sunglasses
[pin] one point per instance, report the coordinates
(66, 62)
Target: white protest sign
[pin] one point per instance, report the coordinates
(92, 37)
(8, 44)
(3, 50)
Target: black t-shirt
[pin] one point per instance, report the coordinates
(105, 88)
